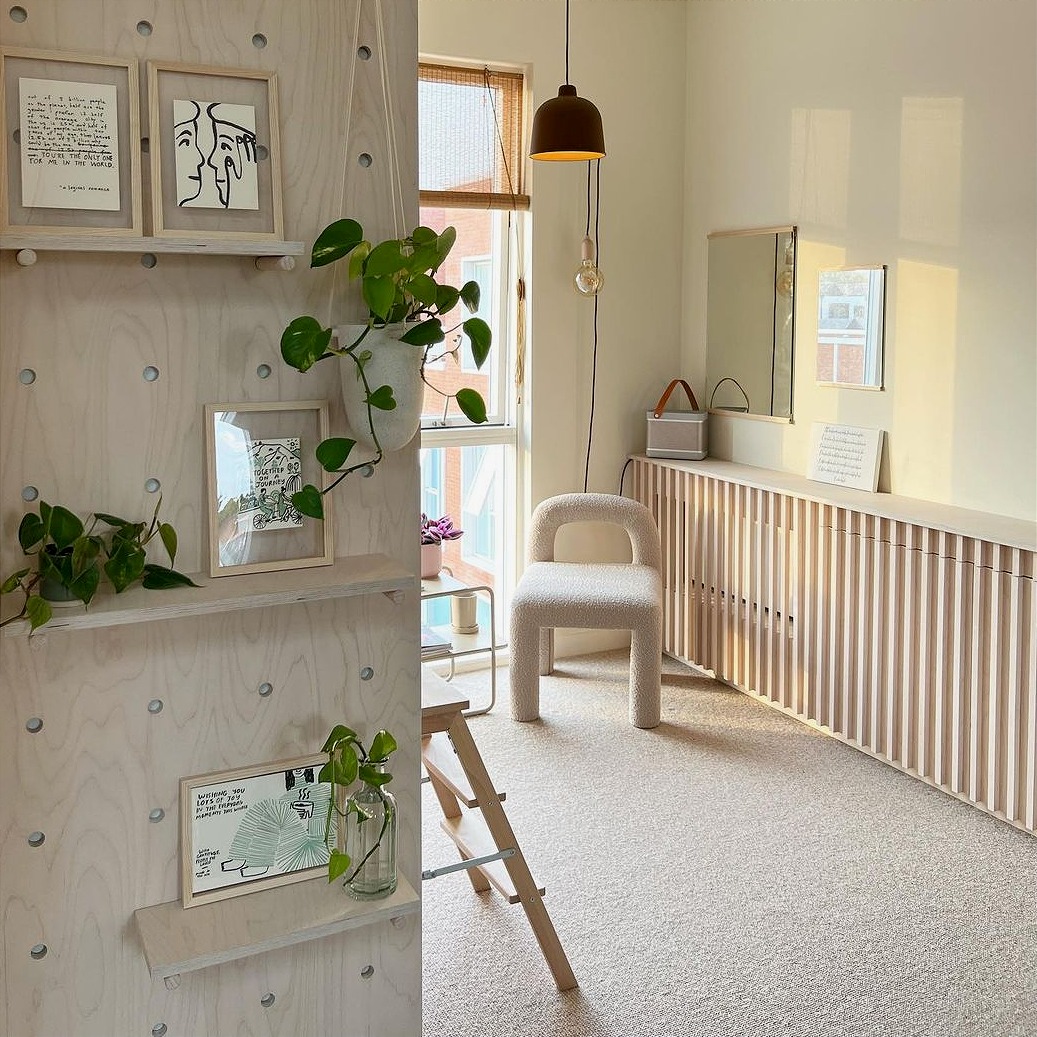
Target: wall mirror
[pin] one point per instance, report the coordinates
(850, 311)
(750, 321)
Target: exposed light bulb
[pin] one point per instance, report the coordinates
(589, 279)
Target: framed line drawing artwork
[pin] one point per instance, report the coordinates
(257, 456)
(70, 147)
(252, 828)
(215, 152)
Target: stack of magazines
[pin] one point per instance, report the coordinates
(433, 645)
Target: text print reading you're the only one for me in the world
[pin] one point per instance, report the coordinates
(69, 144)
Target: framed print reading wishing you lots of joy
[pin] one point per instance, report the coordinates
(215, 152)
(252, 828)
(257, 456)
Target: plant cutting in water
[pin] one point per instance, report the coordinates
(349, 761)
(435, 531)
(398, 285)
(71, 558)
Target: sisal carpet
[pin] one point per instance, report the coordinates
(730, 874)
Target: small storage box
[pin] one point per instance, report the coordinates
(678, 434)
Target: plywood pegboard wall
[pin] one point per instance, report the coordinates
(89, 432)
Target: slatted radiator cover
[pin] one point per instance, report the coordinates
(912, 642)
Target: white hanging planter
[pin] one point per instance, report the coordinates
(393, 363)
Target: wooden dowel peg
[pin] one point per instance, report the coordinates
(275, 262)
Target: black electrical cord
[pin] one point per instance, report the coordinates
(594, 355)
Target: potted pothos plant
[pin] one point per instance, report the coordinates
(406, 307)
(72, 557)
(364, 857)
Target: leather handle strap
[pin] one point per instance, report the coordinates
(664, 399)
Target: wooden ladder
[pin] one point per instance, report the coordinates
(486, 841)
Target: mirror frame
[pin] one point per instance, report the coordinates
(874, 330)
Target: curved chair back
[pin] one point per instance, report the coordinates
(550, 515)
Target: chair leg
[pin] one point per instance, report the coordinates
(646, 649)
(525, 684)
(547, 651)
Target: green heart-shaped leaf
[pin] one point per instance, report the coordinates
(446, 298)
(125, 566)
(479, 334)
(385, 260)
(12, 581)
(308, 501)
(111, 520)
(383, 745)
(335, 241)
(378, 293)
(169, 541)
(338, 864)
(423, 288)
(159, 578)
(332, 453)
(444, 243)
(30, 531)
(304, 342)
(339, 733)
(64, 527)
(382, 398)
(37, 611)
(472, 405)
(424, 333)
(470, 293)
(84, 586)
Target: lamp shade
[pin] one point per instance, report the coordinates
(567, 128)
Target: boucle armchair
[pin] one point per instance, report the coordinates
(598, 595)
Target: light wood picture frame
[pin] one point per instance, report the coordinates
(70, 144)
(252, 828)
(257, 456)
(215, 152)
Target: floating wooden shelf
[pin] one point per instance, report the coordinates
(177, 940)
(347, 577)
(194, 245)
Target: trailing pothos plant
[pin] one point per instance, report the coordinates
(348, 761)
(398, 283)
(71, 558)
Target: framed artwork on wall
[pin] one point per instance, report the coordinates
(252, 828)
(257, 456)
(215, 152)
(70, 147)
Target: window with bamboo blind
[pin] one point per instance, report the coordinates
(470, 137)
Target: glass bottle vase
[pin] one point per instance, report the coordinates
(371, 842)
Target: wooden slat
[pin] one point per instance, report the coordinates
(912, 641)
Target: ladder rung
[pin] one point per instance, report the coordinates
(441, 761)
(473, 839)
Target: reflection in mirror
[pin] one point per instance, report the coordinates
(750, 321)
(849, 326)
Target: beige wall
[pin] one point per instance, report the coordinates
(628, 57)
(896, 133)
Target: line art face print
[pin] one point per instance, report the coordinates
(214, 148)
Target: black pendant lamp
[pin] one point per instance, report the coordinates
(567, 128)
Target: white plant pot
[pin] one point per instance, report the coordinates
(393, 363)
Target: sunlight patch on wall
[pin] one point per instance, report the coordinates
(930, 169)
(819, 176)
(920, 376)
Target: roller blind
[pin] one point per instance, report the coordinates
(470, 136)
